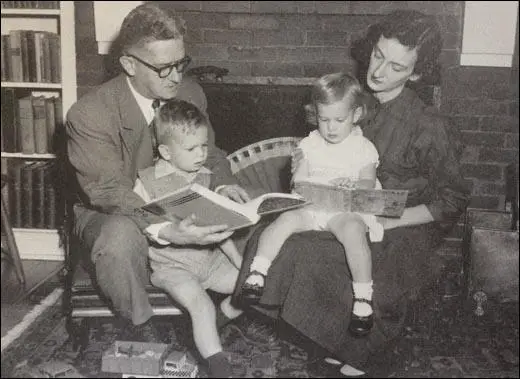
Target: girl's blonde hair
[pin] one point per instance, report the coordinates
(340, 86)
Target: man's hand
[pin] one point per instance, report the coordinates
(234, 192)
(186, 232)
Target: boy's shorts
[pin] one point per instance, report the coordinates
(207, 267)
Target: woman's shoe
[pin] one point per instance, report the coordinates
(360, 326)
(251, 293)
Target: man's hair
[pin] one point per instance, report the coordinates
(149, 22)
(178, 115)
(340, 86)
(412, 29)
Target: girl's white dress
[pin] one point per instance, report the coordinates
(328, 161)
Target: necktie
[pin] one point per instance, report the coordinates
(153, 130)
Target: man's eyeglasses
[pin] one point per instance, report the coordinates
(163, 72)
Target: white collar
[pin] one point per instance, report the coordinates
(163, 168)
(144, 103)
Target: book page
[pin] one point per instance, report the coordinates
(208, 207)
(380, 202)
(275, 202)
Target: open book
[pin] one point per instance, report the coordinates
(210, 208)
(379, 202)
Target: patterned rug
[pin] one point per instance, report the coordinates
(441, 339)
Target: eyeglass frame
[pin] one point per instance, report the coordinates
(169, 68)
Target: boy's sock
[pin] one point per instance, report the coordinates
(362, 291)
(226, 312)
(260, 264)
(219, 366)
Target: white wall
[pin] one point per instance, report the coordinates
(488, 37)
(108, 16)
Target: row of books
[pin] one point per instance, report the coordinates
(29, 123)
(31, 56)
(31, 4)
(31, 195)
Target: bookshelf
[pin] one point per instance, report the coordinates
(42, 243)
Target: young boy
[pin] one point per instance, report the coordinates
(186, 273)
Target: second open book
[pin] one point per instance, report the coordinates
(210, 208)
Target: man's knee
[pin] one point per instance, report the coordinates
(120, 238)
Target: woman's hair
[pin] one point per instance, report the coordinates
(412, 29)
(178, 115)
(340, 86)
(149, 22)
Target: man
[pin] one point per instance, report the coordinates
(109, 139)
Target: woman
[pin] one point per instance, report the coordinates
(309, 285)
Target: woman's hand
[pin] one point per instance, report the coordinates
(235, 192)
(186, 232)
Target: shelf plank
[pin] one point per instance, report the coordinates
(28, 156)
(31, 85)
(29, 12)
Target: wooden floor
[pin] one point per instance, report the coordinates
(16, 301)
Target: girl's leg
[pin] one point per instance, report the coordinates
(271, 241)
(350, 230)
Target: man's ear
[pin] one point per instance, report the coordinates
(128, 64)
(164, 152)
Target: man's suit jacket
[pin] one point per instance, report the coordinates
(108, 141)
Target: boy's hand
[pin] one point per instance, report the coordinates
(235, 192)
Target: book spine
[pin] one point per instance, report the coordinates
(50, 197)
(39, 194)
(15, 41)
(6, 58)
(50, 122)
(9, 120)
(27, 196)
(40, 125)
(25, 55)
(38, 55)
(46, 57)
(55, 58)
(31, 55)
(15, 193)
(26, 131)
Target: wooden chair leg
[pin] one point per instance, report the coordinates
(79, 331)
(11, 244)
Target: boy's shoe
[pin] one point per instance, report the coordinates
(222, 365)
(145, 332)
(251, 293)
(360, 326)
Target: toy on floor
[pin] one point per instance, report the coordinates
(147, 360)
(50, 369)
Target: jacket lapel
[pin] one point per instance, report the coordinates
(132, 119)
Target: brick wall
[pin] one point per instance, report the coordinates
(310, 38)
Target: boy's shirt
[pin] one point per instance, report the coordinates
(163, 178)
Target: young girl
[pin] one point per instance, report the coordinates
(336, 153)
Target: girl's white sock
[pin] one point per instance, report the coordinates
(362, 290)
(260, 264)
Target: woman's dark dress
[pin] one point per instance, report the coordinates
(309, 284)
